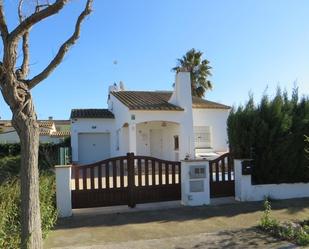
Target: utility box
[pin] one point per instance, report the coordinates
(195, 182)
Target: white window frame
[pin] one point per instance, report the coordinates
(202, 137)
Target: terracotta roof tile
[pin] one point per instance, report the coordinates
(158, 100)
(47, 124)
(206, 104)
(142, 100)
(91, 113)
(60, 134)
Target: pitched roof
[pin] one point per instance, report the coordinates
(142, 100)
(60, 134)
(91, 113)
(46, 124)
(158, 100)
(42, 123)
(206, 104)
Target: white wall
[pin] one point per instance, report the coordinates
(63, 190)
(217, 120)
(12, 137)
(49, 139)
(84, 125)
(245, 191)
(168, 133)
(9, 137)
(131, 118)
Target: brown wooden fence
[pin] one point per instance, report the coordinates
(222, 182)
(125, 180)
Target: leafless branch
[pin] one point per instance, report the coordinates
(24, 70)
(3, 27)
(36, 17)
(63, 49)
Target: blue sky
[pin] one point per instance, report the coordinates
(250, 44)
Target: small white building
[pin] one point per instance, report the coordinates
(51, 131)
(169, 125)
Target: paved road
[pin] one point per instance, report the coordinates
(224, 226)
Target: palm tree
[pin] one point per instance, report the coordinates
(199, 71)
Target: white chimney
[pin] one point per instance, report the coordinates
(121, 86)
(113, 88)
(182, 96)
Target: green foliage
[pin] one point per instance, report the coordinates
(274, 131)
(302, 237)
(48, 153)
(295, 232)
(268, 223)
(9, 167)
(10, 209)
(10, 215)
(199, 71)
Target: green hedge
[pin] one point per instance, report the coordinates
(10, 209)
(272, 132)
(9, 167)
(48, 152)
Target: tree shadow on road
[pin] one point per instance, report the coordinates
(180, 214)
(245, 238)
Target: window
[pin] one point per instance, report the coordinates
(202, 137)
(176, 142)
(117, 139)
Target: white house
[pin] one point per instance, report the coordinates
(170, 125)
(51, 131)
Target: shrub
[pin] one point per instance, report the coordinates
(48, 152)
(267, 223)
(10, 209)
(302, 237)
(272, 132)
(295, 232)
(9, 167)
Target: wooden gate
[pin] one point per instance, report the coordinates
(125, 180)
(222, 182)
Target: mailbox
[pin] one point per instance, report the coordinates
(196, 186)
(246, 167)
(197, 171)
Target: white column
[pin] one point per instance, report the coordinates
(186, 139)
(132, 138)
(243, 185)
(191, 195)
(182, 97)
(63, 190)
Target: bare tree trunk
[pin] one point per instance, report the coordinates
(15, 88)
(28, 131)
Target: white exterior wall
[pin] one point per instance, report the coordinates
(63, 190)
(216, 119)
(12, 137)
(127, 121)
(181, 97)
(245, 191)
(122, 116)
(176, 117)
(84, 125)
(9, 137)
(168, 133)
(48, 139)
(194, 198)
